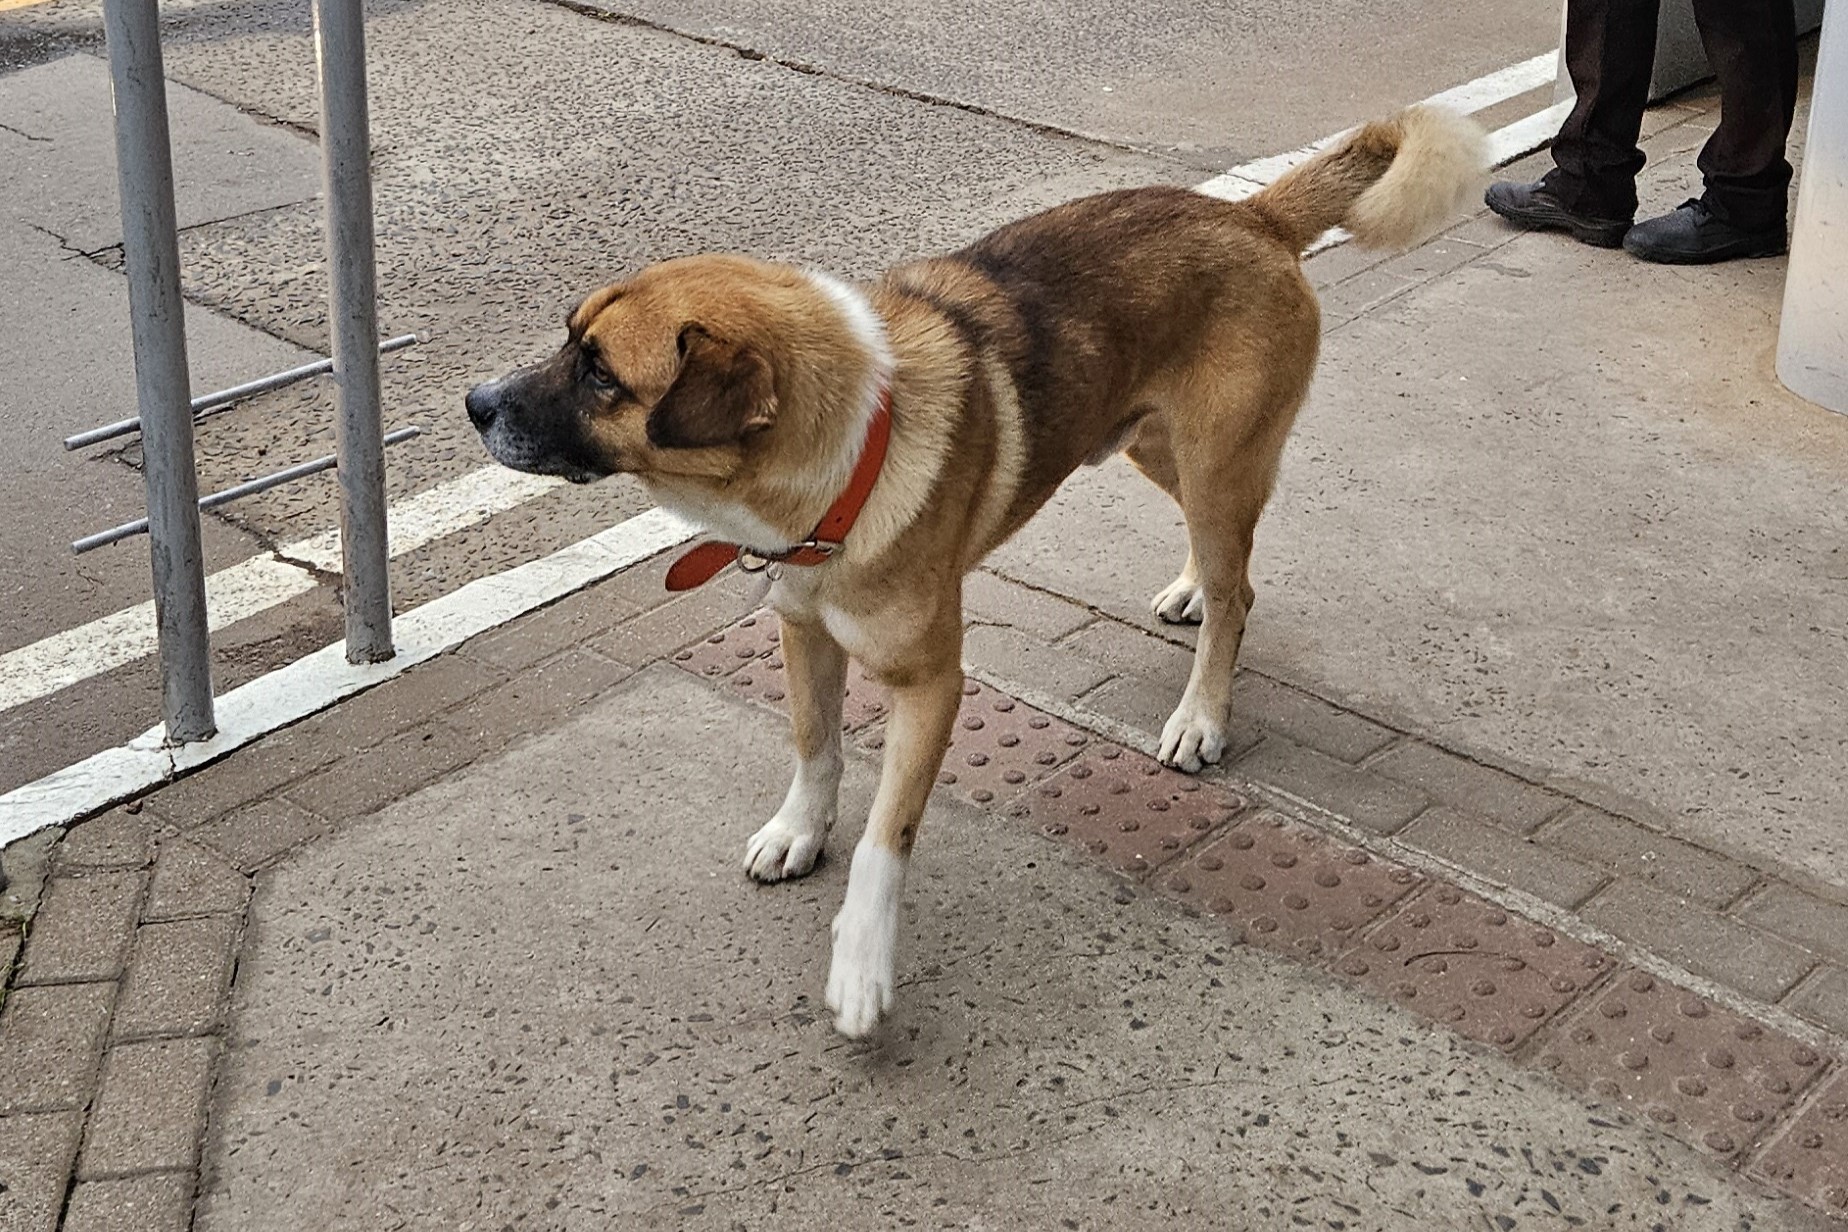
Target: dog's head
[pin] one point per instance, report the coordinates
(695, 369)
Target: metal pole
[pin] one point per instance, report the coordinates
(205, 404)
(346, 149)
(163, 390)
(1812, 340)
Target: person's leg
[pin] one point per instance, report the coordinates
(1752, 46)
(1610, 57)
(1591, 190)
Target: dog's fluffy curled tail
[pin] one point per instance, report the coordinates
(1391, 183)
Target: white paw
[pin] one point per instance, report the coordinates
(1192, 740)
(784, 848)
(860, 977)
(1181, 602)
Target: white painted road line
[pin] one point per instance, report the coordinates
(257, 584)
(319, 680)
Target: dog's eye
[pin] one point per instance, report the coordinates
(599, 373)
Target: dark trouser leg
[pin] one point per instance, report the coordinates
(1610, 56)
(1752, 46)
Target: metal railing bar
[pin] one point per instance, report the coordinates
(208, 403)
(128, 530)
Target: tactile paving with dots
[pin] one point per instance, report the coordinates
(1697, 1070)
(748, 656)
(1126, 809)
(1468, 964)
(1000, 745)
(1291, 887)
(1810, 1156)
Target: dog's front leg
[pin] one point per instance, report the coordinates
(861, 979)
(789, 843)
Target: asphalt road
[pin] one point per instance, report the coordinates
(526, 151)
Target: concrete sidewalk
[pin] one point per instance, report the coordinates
(1523, 903)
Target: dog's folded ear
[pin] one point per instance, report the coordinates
(723, 394)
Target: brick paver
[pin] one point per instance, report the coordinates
(1305, 719)
(120, 839)
(189, 880)
(51, 1042)
(1804, 918)
(36, 1151)
(82, 929)
(1706, 943)
(156, 1202)
(1369, 800)
(257, 834)
(178, 978)
(1672, 866)
(1809, 1156)
(988, 596)
(1504, 859)
(149, 1109)
(1469, 786)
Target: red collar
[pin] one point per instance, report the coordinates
(706, 561)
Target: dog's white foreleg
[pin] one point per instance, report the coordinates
(862, 976)
(790, 842)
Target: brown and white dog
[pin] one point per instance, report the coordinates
(1171, 326)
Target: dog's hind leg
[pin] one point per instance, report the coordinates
(789, 843)
(1181, 601)
(862, 977)
(1226, 464)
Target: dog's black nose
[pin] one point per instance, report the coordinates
(481, 406)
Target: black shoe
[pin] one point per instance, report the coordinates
(1536, 207)
(1695, 235)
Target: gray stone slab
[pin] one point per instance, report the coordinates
(544, 985)
(62, 173)
(1221, 82)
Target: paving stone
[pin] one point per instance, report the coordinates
(1823, 998)
(1332, 265)
(1124, 648)
(535, 698)
(661, 630)
(1705, 942)
(1289, 886)
(157, 1202)
(150, 1110)
(1809, 1155)
(119, 839)
(1466, 963)
(250, 774)
(1493, 854)
(1306, 719)
(1814, 922)
(178, 978)
(82, 928)
(1144, 705)
(368, 781)
(1698, 1071)
(424, 692)
(1620, 846)
(25, 866)
(1431, 260)
(1369, 800)
(1045, 616)
(999, 746)
(51, 1042)
(190, 881)
(36, 1151)
(1364, 292)
(748, 656)
(1470, 786)
(534, 638)
(1017, 657)
(257, 834)
(1484, 230)
(1127, 810)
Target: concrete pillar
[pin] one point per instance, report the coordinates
(1812, 341)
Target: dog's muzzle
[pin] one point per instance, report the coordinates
(483, 403)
